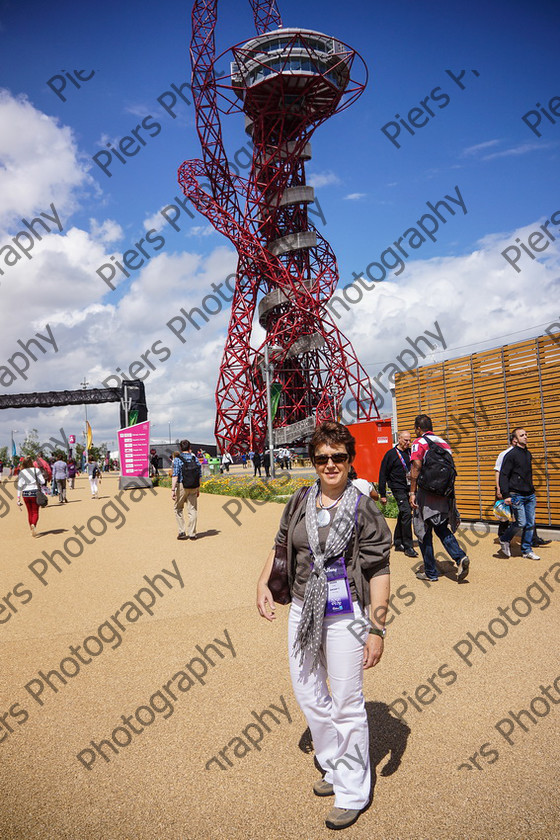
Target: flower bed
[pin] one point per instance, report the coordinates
(271, 489)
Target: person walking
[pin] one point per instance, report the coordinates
(72, 470)
(395, 471)
(30, 480)
(503, 524)
(257, 462)
(185, 484)
(60, 476)
(518, 490)
(42, 464)
(226, 461)
(266, 462)
(364, 486)
(54, 487)
(94, 475)
(433, 499)
(331, 592)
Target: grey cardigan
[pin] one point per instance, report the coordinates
(367, 554)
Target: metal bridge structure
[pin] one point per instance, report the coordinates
(285, 82)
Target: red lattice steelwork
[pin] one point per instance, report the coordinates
(286, 82)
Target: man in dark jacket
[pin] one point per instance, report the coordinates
(518, 490)
(395, 471)
(266, 462)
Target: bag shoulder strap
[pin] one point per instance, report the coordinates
(297, 500)
(300, 496)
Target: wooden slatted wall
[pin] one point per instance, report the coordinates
(474, 401)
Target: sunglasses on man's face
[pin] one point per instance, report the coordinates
(337, 458)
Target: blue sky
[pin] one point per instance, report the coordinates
(369, 191)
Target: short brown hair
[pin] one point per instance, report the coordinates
(27, 463)
(332, 434)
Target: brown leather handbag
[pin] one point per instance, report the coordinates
(278, 580)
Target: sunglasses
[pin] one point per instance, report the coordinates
(337, 458)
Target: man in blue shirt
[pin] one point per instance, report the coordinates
(60, 474)
(185, 484)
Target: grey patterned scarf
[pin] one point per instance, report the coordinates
(309, 632)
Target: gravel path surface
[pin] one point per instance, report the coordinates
(460, 660)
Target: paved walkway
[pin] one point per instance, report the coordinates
(135, 670)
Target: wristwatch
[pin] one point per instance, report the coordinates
(378, 631)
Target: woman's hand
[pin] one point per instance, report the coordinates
(265, 602)
(373, 650)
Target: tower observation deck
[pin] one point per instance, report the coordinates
(286, 82)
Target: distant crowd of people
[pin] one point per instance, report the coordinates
(40, 477)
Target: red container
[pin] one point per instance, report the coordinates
(373, 439)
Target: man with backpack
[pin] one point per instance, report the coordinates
(432, 497)
(185, 484)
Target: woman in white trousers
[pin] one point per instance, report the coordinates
(337, 546)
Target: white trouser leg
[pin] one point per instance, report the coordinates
(338, 721)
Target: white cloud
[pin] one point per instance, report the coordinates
(523, 149)
(354, 196)
(514, 151)
(474, 150)
(155, 222)
(475, 298)
(107, 232)
(201, 230)
(138, 110)
(39, 163)
(322, 179)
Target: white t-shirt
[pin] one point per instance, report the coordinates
(363, 485)
(29, 480)
(500, 459)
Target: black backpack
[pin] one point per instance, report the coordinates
(190, 472)
(438, 470)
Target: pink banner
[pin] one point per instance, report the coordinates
(134, 443)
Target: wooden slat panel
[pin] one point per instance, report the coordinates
(444, 391)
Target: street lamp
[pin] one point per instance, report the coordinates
(169, 424)
(84, 385)
(273, 349)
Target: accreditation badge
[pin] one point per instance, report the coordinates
(339, 599)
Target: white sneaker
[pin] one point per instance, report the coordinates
(505, 548)
(530, 555)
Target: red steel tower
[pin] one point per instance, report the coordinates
(286, 82)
